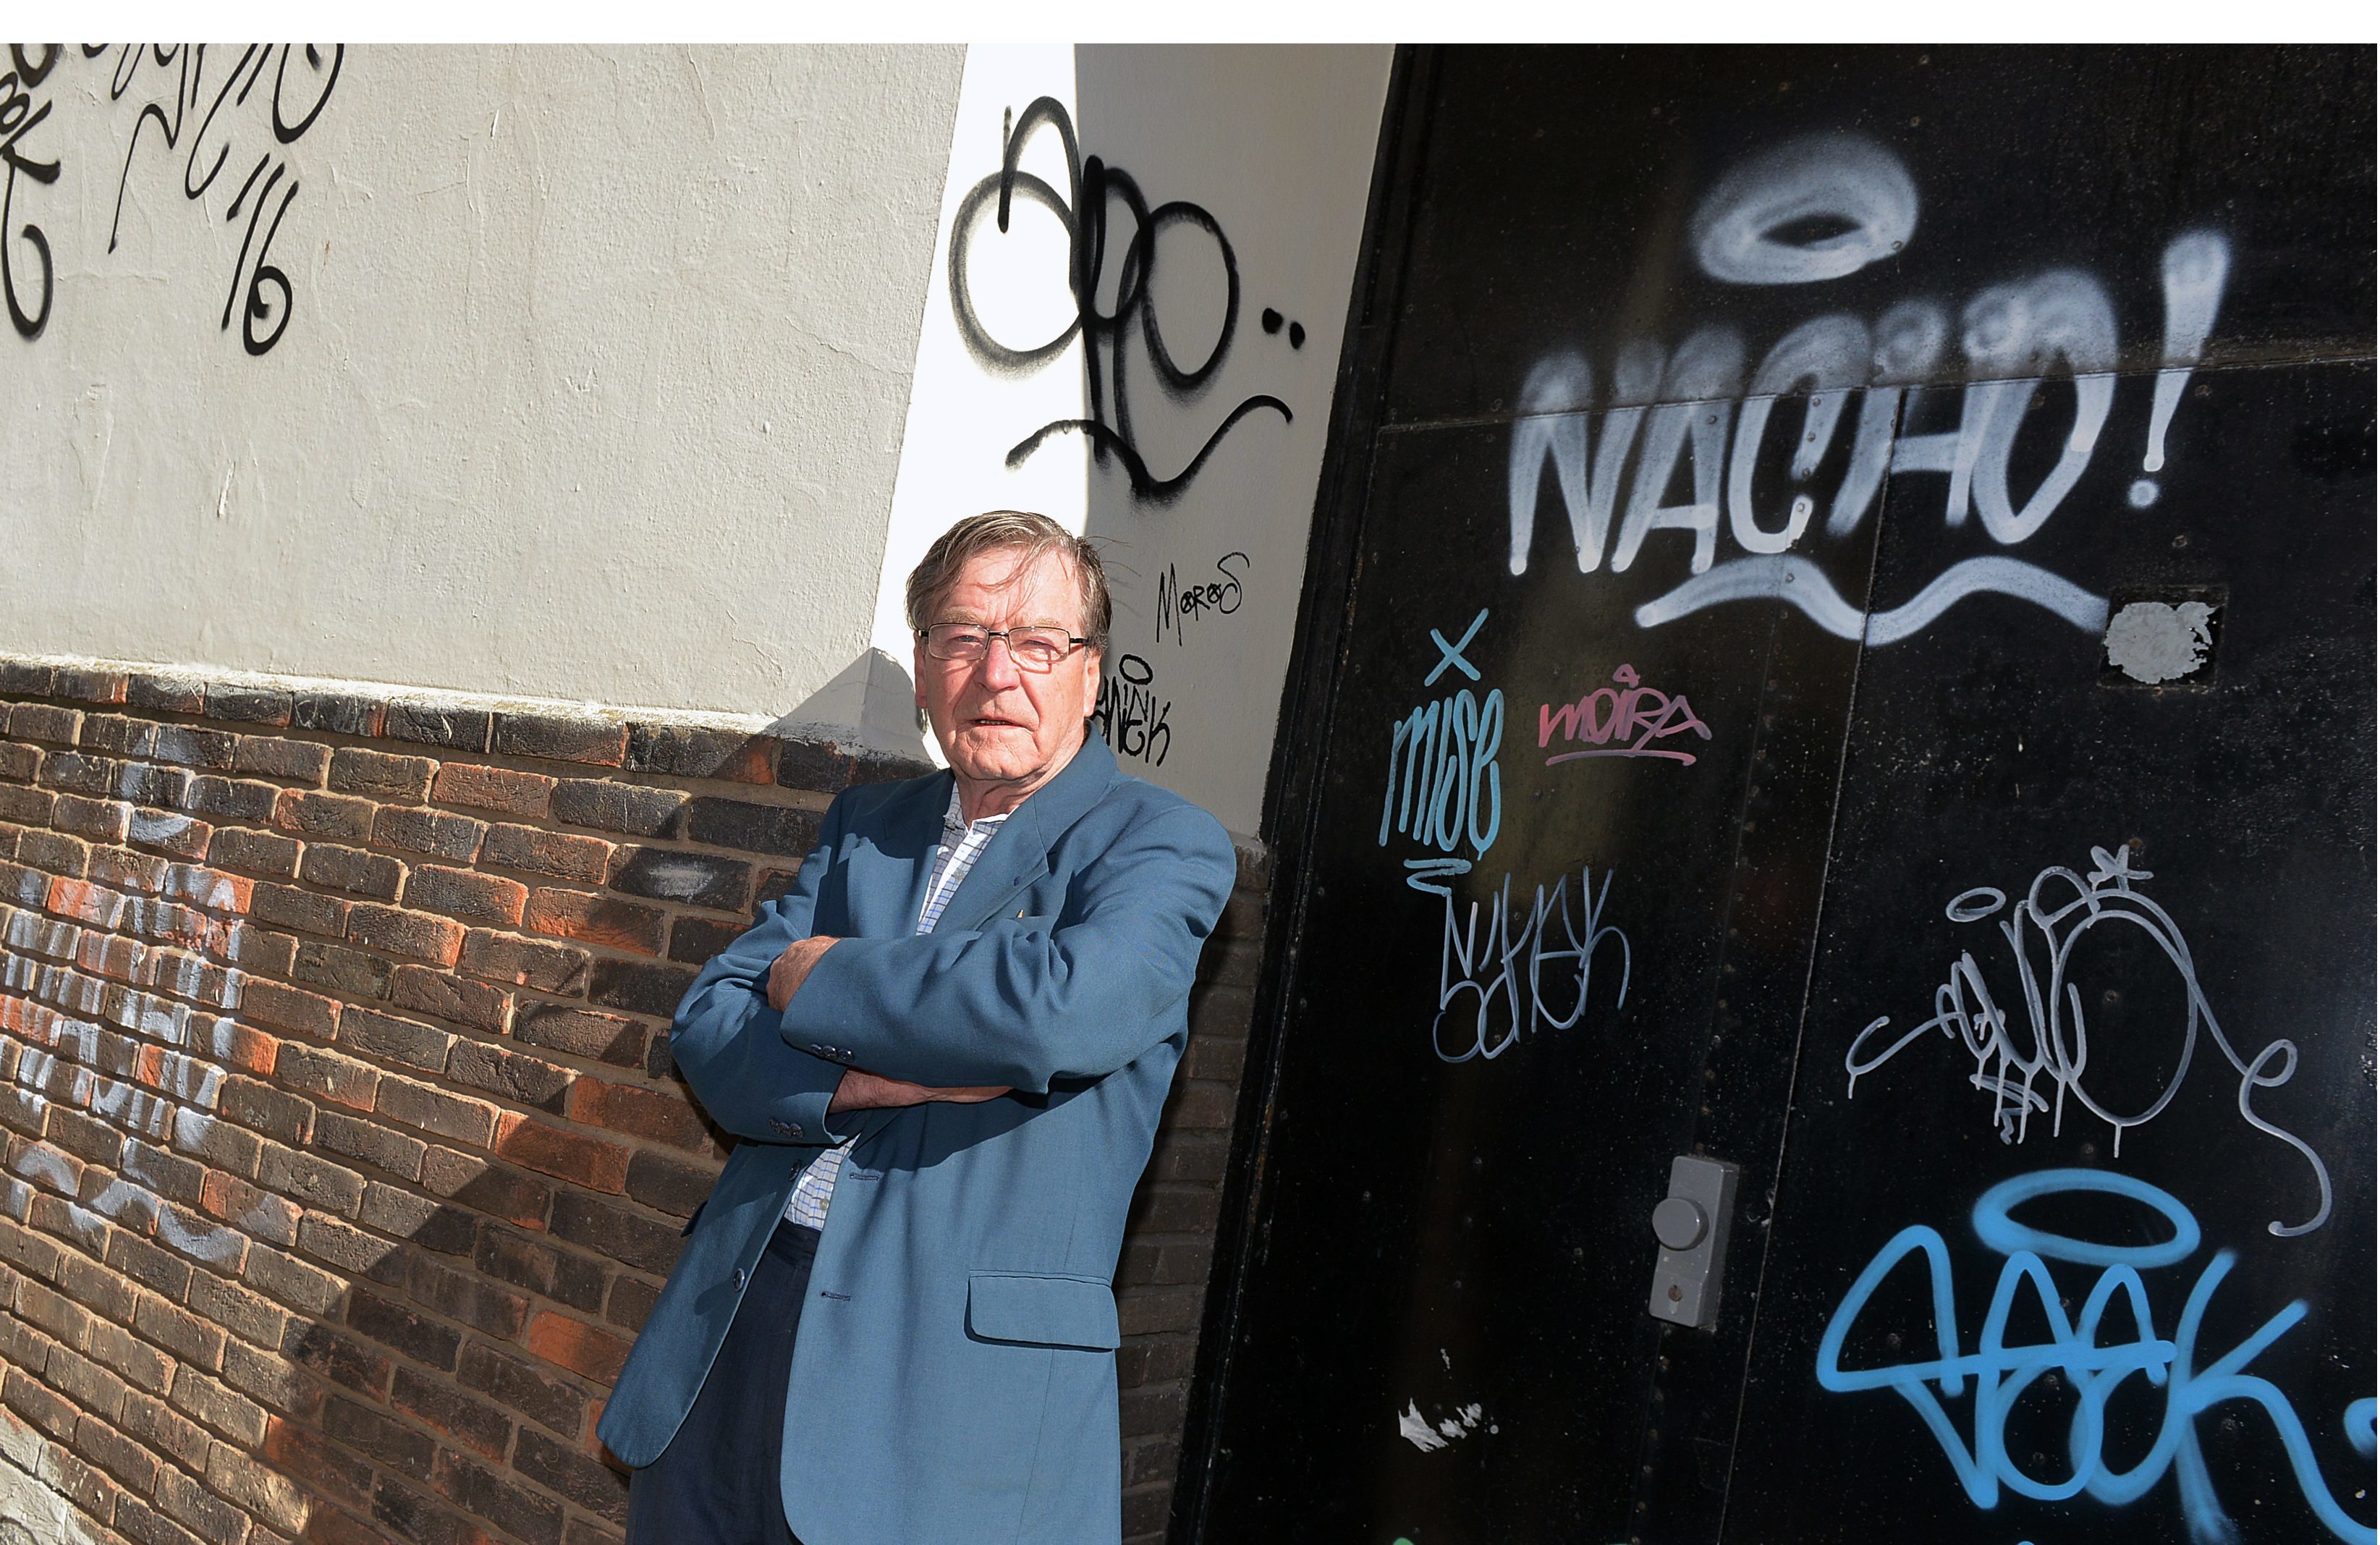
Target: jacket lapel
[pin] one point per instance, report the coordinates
(889, 870)
(1018, 853)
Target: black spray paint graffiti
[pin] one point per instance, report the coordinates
(1219, 594)
(19, 115)
(259, 290)
(1083, 212)
(1131, 715)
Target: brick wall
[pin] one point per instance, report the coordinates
(343, 1152)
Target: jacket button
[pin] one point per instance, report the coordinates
(737, 1281)
(793, 1130)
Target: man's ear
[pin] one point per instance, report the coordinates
(1094, 664)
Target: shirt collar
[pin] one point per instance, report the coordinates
(954, 822)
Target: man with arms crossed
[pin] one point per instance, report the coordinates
(943, 1052)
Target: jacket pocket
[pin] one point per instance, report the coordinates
(1042, 1310)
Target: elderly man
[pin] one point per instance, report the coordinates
(944, 1051)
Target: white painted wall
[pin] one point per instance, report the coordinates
(1277, 145)
(591, 385)
(595, 371)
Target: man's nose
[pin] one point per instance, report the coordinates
(999, 666)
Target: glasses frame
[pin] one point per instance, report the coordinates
(1073, 644)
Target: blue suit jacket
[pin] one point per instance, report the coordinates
(953, 1377)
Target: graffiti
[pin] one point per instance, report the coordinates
(1607, 716)
(1177, 605)
(19, 115)
(1693, 407)
(2074, 1356)
(1082, 211)
(1418, 1429)
(2051, 1044)
(187, 105)
(1514, 972)
(1270, 321)
(1130, 715)
(1449, 788)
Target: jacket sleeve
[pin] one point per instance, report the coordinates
(724, 1038)
(1022, 1002)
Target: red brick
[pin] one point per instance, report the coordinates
(493, 789)
(596, 919)
(575, 1345)
(415, 936)
(484, 898)
(572, 1156)
(663, 1118)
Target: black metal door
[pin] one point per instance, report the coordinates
(1848, 650)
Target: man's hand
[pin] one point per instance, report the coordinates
(863, 1091)
(793, 968)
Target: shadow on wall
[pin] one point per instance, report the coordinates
(875, 693)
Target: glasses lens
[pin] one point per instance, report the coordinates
(1037, 649)
(954, 640)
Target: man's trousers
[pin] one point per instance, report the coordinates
(718, 1481)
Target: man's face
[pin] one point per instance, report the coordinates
(996, 723)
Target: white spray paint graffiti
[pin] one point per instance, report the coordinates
(1694, 404)
(2053, 1043)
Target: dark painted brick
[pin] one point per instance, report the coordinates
(695, 879)
(391, 1324)
(465, 729)
(616, 1233)
(23, 678)
(287, 906)
(41, 722)
(600, 1036)
(340, 817)
(380, 775)
(437, 1402)
(668, 1185)
(560, 739)
(270, 756)
(613, 807)
(375, 1436)
(118, 735)
(692, 751)
(519, 1386)
(750, 827)
(631, 1303)
(638, 988)
(192, 746)
(525, 961)
(465, 1296)
(336, 713)
(485, 899)
(254, 852)
(437, 833)
(555, 852)
(530, 1080)
(573, 1474)
(342, 970)
(228, 800)
(74, 773)
(473, 1004)
(164, 787)
(352, 869)
(379, 1035)
(483, 1495)
(166, 692)
(248, 705)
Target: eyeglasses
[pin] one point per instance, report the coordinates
(1033, 649)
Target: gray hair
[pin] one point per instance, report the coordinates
(1030, 536)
